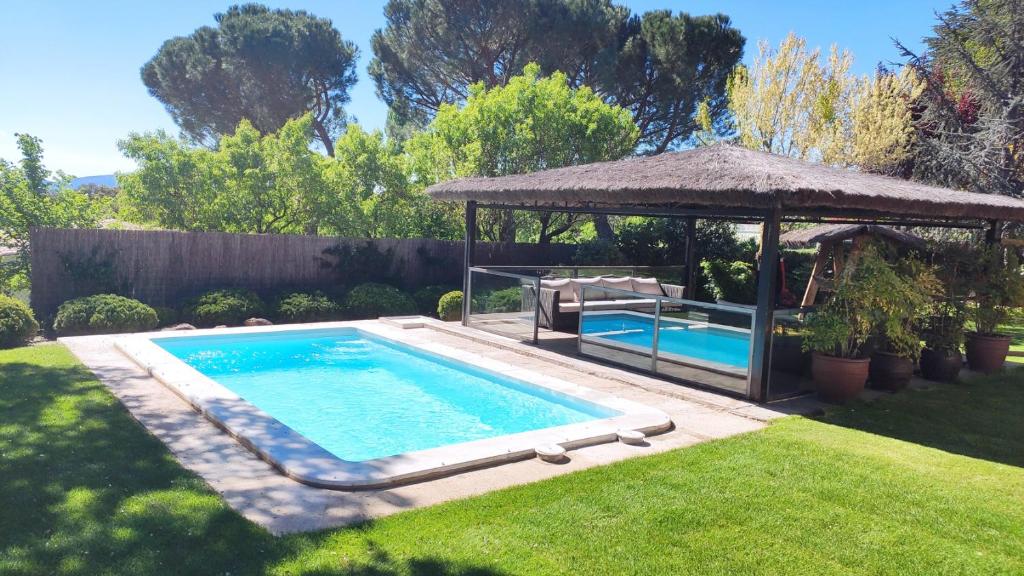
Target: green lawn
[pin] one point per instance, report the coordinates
(924, 482)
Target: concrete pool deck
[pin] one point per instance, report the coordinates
(263, 495)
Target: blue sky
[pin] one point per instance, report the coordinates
(69, 70)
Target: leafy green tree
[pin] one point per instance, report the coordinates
(26, 202)
(274, 183)
(658, 65)
(265, 66)
(971, 125)
(174, 186)
(532, 123)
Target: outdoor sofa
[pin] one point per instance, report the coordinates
(560, 298)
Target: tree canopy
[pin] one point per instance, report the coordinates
(531, 123)
(657, 65)
(794, 103)
(28, 200)
(261, 65)
(274, 183)
(971, 124)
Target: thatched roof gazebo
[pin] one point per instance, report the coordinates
(732, 183)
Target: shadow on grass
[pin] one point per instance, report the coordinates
(85, 490)
(981, 418)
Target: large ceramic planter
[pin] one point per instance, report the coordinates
(941, 365)
(890, 372)
(839, 379)
(987, 352)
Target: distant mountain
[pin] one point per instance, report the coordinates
(108, 180)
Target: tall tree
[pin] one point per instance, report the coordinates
(659, 66)
(972, 112)
(265, 66)
(532, 123)
(793, 102)
(28, 200)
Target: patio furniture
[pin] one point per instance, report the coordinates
(560, 298)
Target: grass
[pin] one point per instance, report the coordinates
(925, 482)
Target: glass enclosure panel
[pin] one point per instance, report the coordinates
(617, 326)
(708, 344)
(503, 303)
(790, 368)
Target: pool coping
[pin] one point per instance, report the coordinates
(304, 461)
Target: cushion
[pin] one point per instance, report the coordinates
(647, 286)
(620, 283)
(562, 286)
(577, 282)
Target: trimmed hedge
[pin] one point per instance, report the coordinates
(449, 307)
(372, 300)
(17, 324)
(306, 307)
(103, 314)
(230, 307)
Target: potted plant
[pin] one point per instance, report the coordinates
(835, 335)
(997, 286)
(941, 359)
(902, 294)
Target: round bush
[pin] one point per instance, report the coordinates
(166, 316)
(229, 307)
(103, 314)
(426, 298)
(373, 300)
(306, 307)
(449, 307)
(17, 324)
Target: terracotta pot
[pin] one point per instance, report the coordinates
(941, 365)
(890, 372)
(987, 352)
(839, 379)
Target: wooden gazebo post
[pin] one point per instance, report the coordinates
(761, 330)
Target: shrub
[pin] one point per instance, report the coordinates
(449, 307)
(166, 316)
(426, 299)
(373, 300)
(730, 281)
(103, 314)
(504, 300)
(17, 324)
(306, 307)
(228, 307)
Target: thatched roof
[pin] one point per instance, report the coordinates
(725, 176)
(838, 232)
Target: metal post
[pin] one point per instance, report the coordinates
(995, 232)
(536, 309)
(468, 259)
(657, 333)
(690, 281)
(761, 330)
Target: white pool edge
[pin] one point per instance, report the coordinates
(304, 461)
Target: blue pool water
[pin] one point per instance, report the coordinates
(710, 344)
(361, 397)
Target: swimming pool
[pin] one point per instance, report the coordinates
(688, 341)
(350, 405)
(362, 397)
